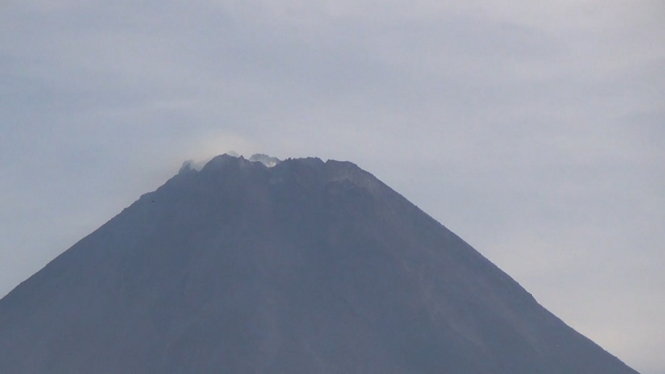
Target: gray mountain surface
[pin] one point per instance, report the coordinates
(303, 267)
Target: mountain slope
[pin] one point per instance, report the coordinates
(304, 267)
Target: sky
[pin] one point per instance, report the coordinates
(534, 130)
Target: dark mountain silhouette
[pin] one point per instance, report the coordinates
(304, 267)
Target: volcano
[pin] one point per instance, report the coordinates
(298, 266)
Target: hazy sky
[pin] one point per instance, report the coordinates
(534, 130)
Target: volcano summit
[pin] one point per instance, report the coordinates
(301, 267)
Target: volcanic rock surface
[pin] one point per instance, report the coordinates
(303, 267)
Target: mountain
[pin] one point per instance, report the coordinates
(302, 267)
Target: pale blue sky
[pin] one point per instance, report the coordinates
(534, 130)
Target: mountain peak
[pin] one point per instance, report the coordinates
(298, 266)
(265, 159)
(226, 158)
